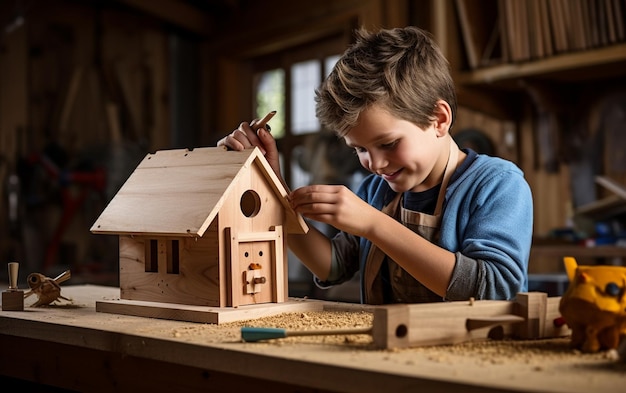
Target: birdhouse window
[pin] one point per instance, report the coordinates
(171, 250)
(173, 256)
(250, 203)
(152, 256)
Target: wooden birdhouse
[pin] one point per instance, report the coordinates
(202, 227)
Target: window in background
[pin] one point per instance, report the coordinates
(289, 88)
(270, 96)
(306, 76)
(286, 82)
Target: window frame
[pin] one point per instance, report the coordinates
(284, 59)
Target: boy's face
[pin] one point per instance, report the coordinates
(408, 157)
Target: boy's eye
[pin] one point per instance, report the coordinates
(359, 150)
(389, 145)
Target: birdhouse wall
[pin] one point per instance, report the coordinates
(251, 223)
(252, 206)
(183, 271)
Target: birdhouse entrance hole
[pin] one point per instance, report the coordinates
(250, 203)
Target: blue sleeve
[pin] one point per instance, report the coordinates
(492, 236)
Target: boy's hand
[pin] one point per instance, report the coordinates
(244, 137)
(336, 206)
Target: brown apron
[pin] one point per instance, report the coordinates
(405, 288)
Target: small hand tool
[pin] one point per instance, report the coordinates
(254, 334)
(256, 124)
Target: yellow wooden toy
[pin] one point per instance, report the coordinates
(594, 305)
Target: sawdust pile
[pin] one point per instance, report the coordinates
(310, 320)
(533, 352)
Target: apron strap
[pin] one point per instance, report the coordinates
(453, 157)
(375, 259)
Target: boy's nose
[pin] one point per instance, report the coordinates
(377, 163)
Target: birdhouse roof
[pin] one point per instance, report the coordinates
(179, 192)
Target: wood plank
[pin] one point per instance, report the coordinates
(280, 267)
(591, 13)
(533, 307)
(195, 284)
(172, 215)
(121, 375)
(201, 314)
(577, 30)
(177, 13)
(603, 208)
(173, 198)
(522, 28)
(477, 22)
(505, 38)
(614, 54)
(620, 15)
(558, 24)
(560, 250)
(201, 156)
(404, 326)
(535, 29)
(512, 32)
(612, 185)
(180, 180)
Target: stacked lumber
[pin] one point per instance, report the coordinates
(511, 31)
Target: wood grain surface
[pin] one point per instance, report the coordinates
(170, 347)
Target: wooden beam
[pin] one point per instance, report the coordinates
(530, 315)
(175, 12)
(502, 105)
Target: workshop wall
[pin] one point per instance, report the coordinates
(83, 97)
(87, 88)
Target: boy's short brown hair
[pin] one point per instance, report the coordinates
(400, 69)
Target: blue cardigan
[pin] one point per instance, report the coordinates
(487, 222)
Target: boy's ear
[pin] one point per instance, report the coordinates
(443, 118)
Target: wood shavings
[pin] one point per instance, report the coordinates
(310, 320)
(534, 353)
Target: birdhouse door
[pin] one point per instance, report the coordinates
(255, 265)
(257, 273)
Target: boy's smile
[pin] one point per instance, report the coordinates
(408, 157)
(390, 177)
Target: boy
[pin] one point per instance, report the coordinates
(432, 222)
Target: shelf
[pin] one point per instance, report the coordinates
(577, 251)
(613, 57)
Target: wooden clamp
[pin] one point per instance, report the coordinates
(530, 316)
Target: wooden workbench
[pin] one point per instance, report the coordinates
(75, 347)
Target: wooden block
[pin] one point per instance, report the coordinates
(391, 326)
(530, 316)
(532, 307)
(13, 300)
(404, 326)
